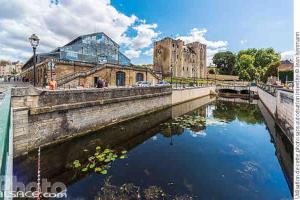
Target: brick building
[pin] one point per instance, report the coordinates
(83, 61)
(181, 60)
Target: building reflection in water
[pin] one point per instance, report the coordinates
(57, 159)
(284, 148)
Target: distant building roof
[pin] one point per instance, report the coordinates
(286, 65)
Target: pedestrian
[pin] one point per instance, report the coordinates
(99, 83)
(52, 84)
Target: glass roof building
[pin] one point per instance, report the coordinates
(95, 48)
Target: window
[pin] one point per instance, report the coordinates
(139, 77)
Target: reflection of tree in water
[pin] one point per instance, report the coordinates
(230, 111)
(129, 191)
(172, 130)
(193, 121)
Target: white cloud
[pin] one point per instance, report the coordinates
(148, 52)
(287, 55)
(243, 42)
(199, 36)
(213, 47)
(144, 38)
(131, 53)
(58, 24)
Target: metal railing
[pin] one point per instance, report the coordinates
(5, 133)
(271, 89)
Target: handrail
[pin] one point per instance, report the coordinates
(70, 77)
(271, 89)
(5, 126)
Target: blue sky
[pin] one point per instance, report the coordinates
(135, 24)
(242, 23)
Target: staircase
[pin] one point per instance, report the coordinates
(70, 77)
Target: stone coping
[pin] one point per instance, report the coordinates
(61, 107)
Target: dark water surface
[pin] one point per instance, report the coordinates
(234, 154)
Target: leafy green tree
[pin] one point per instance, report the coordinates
(264, 57)
(272, 70)
(211, 71)
(246, 69)
(13, 71)
(252, 64)
(251, 52)
(225, 62)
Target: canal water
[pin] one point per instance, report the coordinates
(204, 149)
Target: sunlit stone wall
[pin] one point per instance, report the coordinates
(43, 117)
(281, 106)
(268, 100)
(187, 94)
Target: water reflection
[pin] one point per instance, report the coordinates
(227, 156)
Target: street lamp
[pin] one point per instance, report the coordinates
(34, 41)
(171, 75)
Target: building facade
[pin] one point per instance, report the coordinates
(85, 60)
(173, 57)
(8, 68)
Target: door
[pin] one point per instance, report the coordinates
(95, 81)
(120, 78)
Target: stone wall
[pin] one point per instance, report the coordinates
(285, 111)
(281, 105)
(268, 100)
(43, 117)
(188, 60)
(187, 94)
(222, 77)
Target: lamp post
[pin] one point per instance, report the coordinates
(194, 75)
(171, 76)
(34, 41)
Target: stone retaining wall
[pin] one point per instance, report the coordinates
(281, 105)
(187, 94)
(268, 99)
(42, 117)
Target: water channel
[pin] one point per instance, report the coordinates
(203, 149)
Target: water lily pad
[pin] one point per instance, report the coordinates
(84, 169)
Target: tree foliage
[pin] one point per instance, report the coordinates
(271, 70)
(225, 62)
(254, 64)
(249, 64)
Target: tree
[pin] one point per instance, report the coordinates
(225, 62)
(251, 52)
(246, 69)
(253, 63)
(272, 70)
(211, 71)
(264, 57)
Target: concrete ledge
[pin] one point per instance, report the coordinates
(47, 109)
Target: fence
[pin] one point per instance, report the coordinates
(5, 130)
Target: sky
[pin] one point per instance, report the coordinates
(135, 24)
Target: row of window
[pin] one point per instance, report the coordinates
(121, 78)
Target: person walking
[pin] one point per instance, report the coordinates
(52, 84)
(99, 83)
